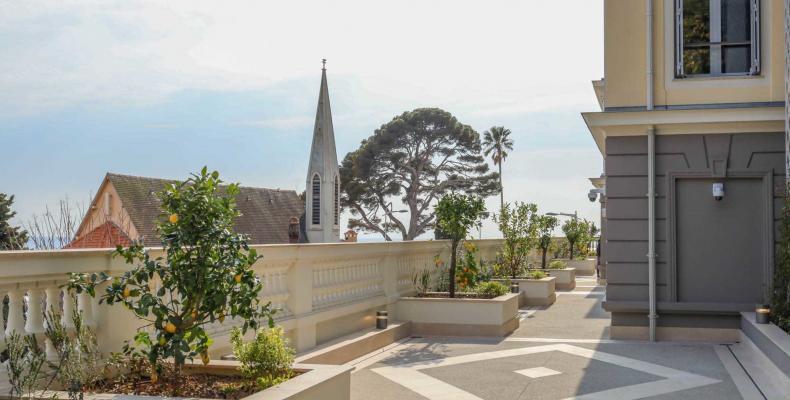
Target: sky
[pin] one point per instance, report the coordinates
(161, 89)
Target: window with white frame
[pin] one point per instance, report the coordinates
(717, 37)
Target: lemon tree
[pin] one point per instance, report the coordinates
(205, 276)
(456, 214)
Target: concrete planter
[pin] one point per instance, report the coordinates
(315, 382)
(566, 278)
(583, 267)
(535, 292)
(770, 339)
(460, 317)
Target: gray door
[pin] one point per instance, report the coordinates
(720, 244)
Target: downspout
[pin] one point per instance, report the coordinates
(651, 178)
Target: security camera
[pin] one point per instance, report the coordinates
(592, 195)
(718, 191)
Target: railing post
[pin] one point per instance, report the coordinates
(52, 306)
(35, 322)
(300, 302)
(16, 319)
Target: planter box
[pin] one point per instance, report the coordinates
(583, 267)
(566, 278)
(770, 339)
(315, 382)
(460, 317)
(535, 292)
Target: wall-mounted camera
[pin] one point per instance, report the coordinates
(592, 195)
(718, 191)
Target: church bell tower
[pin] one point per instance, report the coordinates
(322, 192)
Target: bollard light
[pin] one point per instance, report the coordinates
(514, 288)
(762, 312)
(381, 320)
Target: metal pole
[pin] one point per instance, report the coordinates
(651, 229)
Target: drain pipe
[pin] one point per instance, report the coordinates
(651, 179)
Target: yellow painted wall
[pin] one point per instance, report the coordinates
(625, 60)
(97, 215)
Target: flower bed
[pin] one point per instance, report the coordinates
(444, 316)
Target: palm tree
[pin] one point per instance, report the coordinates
(496, 142)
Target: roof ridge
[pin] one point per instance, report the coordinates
(225, 183)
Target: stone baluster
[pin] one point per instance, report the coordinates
(85, 306)
(35, 315)
(68, 311)
(52, 306)
(16, 318)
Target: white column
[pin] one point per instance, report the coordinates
(68, 311)
(16, 318)
(35, 315)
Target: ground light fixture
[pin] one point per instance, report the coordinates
(381, 320)
(762, 311)
(514, 288)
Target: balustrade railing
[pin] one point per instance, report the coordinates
(306, 284)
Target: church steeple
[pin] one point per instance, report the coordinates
(322, 211)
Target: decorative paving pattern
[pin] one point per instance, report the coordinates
(410, 375)
(538, 372)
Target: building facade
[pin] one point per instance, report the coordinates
(691, 129)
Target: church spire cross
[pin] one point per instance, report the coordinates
(323, 62)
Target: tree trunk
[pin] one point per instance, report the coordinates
(572, 245)
(543, 262)
(452, 268)
(501, 188)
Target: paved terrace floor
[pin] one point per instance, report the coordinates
(558, 352)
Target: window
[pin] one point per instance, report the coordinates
(337, 201)
(316, 201)
(717, 37)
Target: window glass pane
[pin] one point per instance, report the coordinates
(736, 59)
(696, 60)
(696, 21)
(735, 21)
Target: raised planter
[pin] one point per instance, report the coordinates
(566, 278)
(770, 339)
(460, 317)
(583, 267)
(535, 292)
(314, 382)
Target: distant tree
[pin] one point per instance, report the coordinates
(456, 214)
(11, 238)
(496, 143)
(577, 231)
(518, 224)
(545, 226)
(55, 228)
(416, 158)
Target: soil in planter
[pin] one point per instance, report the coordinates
(458, 295)
(187, 385)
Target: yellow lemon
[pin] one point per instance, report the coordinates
(170, 328)
(173, 218)
(126, 292)
(162, 341)
(221, 317)
(204, 357)
(237, 278)
(194, 314)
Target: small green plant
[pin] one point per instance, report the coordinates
(79, 362)
(518, 224)
(421, 280)
(558, 264)
(545, 227)
(468, 269)
(491, 289)
(536, 274)
(267, 358)
(24, 365)
(578, 232)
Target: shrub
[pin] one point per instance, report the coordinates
(421, 280)
(267, 358)
(780, 299)
(468, 269)
(518, 224)
(491, 289)
(456, 214)
(558, 264)
(206, 273)
(24, 364)
(537, 274)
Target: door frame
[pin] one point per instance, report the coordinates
(768, 223)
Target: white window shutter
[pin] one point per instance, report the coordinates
(679, 72)
(755, 68)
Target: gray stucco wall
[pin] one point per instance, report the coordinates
(696, 160)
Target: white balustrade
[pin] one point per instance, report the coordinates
(306, 284)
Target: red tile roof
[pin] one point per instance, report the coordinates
(107, 235)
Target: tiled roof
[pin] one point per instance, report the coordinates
(265, 212)
(105, 235)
